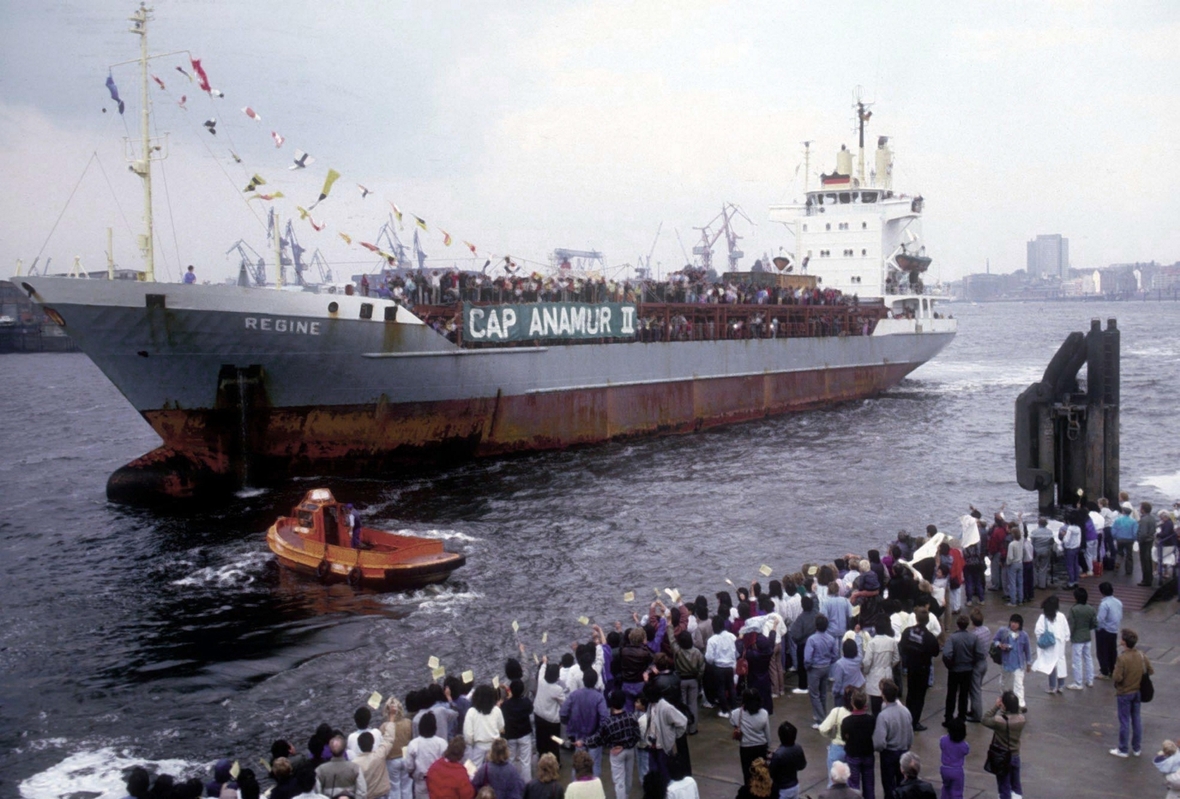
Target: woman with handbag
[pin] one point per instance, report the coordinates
(751, 728)
(1003, 755)
(1051, 636)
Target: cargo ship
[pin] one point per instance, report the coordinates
(253, 385)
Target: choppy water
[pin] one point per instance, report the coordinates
(131, 635)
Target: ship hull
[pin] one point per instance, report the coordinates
(234, 402)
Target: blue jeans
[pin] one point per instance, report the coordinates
(789, 793)
(819, 685)
(1083, 664)
(1014, 582)
(835, 752)
(863, 777)
(1071, 565)
(1009, 783)
(1130, 722)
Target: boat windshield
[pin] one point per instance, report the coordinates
(306, 519)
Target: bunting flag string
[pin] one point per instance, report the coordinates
(255, 182)
(446, 238)
(182, 71)
(274, 134)
(267, 197)
(347, 238)
(397, 213)
(303, 212)
(114, 91)
(314, 226)
(470, 246)
(420, 222)
(160, 83)
(211, 126)
(183, 100)
(364, 192)
(250, 112)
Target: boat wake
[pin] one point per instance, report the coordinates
(243, 570)
(96, 774)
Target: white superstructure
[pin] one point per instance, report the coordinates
(859, 236)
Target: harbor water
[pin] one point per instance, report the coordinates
(168, 636)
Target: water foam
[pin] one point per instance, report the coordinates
(1167, 483)
(241, 571)
(96, 774)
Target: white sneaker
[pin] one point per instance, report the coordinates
(816, 727)
(1117, 753)
(1075, 687)
(721, 714)
(799, 691)
(1137, 752)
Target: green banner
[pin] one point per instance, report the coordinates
(548, 320)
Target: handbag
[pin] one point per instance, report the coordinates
(999, 757)
(737, 731)
(997, 654)
(1146, 687)
(1047, 640)
(741, 666)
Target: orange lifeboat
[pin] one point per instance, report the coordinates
(316, 540)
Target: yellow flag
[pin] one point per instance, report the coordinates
(328, 181)
(420, 222)
(446, 238)
(347, 238)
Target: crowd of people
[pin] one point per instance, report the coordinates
(859, 636)
(690, 285)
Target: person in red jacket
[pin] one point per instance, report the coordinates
(997, 549)
(448, 778)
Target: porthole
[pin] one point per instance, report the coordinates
(333, 307)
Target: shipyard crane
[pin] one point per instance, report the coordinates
(644, 268)
(724, 220)
(388, 234)
(296, 253)
(249, 270)
(576, 260)
(321, 263)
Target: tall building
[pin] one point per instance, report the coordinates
(1048, 256)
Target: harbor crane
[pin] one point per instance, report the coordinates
(724, 223)
(249, 270)
(644, 268)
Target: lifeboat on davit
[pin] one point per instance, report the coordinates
(317, 540)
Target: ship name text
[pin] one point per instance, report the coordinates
(270, 324)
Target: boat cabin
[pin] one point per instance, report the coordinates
(319, 517)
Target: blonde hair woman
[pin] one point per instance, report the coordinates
(398, 729)
(547, 783)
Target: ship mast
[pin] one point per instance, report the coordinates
(143, 167)
(862, 116)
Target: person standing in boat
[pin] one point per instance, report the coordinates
(190, 277)
(353, 519)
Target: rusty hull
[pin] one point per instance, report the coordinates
(202, 447)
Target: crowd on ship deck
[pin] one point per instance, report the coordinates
(689, 285)
(852, 643)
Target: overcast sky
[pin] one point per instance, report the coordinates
(521, 127)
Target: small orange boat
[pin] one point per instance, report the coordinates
(317, 540)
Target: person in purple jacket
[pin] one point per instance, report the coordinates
(584, 712)
(955, 749)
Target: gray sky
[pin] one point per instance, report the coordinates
(528, 126)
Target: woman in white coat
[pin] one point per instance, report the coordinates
(1051, 637)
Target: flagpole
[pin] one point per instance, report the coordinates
(140, 18)
(278, 242)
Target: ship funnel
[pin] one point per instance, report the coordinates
(844, 161)
(884, 163)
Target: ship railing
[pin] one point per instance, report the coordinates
(669, 322)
